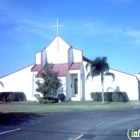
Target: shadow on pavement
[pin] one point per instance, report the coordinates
(14, 118)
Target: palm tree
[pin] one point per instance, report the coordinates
(1, 83)
(99, 66)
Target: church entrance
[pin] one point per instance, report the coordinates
(75, 86)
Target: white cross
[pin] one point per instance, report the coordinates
(57, 26)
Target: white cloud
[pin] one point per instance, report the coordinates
(135, 35)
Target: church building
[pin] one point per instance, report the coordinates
(70, 63)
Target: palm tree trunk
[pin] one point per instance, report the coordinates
(102, 84)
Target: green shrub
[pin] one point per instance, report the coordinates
(99, 96)
(96, 96)
(4, 95)
(51, 101)
(61, 97)
(12, 96)
(118, 97)
(43, 100)
(93, 96)
(125, 96)
(107, 96)
(110, 96)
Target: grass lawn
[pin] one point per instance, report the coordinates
(16, 109)
(35, 107)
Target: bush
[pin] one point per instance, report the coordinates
(51, 101)
(96, 96)
(107, 96)
(110, 96)
(12, 96)
(61, 97)
(118, 97)
(125, 96)
(43, 100)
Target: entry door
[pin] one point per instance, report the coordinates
(75, 86)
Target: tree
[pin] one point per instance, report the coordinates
(50, 82)
(99, 66)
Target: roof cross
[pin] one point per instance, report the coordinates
(57, 26)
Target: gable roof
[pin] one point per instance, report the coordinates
(53, 40)
(60, 68)
(36, 67)
(75, 66)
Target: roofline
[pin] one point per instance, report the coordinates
(77, 49)
(53, 40)
(86, 59)
(17, 70)
(123, 72)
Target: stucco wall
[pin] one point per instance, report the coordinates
(77, 55)
(70, 56)
(38, 58)
(44, 57)
(55, 55)
(19, 81)
(68, 86)
(123, 82)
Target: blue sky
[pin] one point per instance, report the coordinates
(98, 27)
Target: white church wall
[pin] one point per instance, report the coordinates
(38, 58)
(82, 81)
(123, 82)
(44, 57)
(70, 55)
(57, 53)
(19, 81)
(127, 83)
(88, 84)
(68, 86)
(63, 87)
(77, 55)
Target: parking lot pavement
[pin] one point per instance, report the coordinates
(86, 125)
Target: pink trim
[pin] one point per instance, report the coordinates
(61, 68)
(36, 67)
(75, 66)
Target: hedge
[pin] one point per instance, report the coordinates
(12, 96)
(61, 97)
(42, 100)
(110, 96)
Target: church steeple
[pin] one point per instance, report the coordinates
(57, 26)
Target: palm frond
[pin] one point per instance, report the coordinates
(110, 74)
(92, 74)
(2, 84)
(87, 65)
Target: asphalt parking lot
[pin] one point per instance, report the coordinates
(85, 125)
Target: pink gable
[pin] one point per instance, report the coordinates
(60, 68)
(75, 66)
(36, 67)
